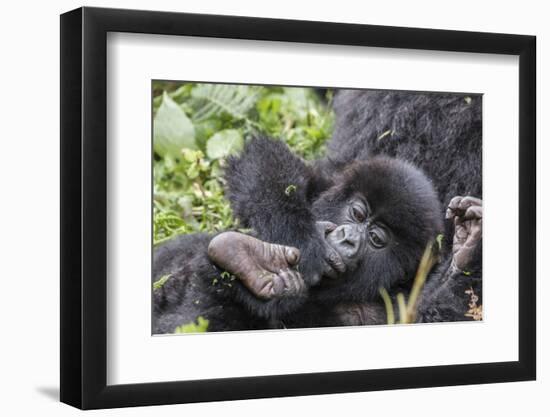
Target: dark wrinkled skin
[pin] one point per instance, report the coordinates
(265, 269)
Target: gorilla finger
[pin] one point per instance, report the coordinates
(469, 201)
(461, 233)
(278, 285)
(452, 208)
(325, 227)
(457, 219)
(267, 292)
(329, 271)
(449, 214)
(300, 283)
(292, 255)
(473, 213)
(455, 201)
(291, 286)
(335, 261)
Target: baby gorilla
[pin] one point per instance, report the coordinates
(362, 228)
(318, 241)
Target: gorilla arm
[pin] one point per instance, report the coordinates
(270, 190)
(264, 268)
(450, 291)
(188, 282)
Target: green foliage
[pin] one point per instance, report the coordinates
(407, 309)
(197, 126)
(161, 281)
(217, 100)
(388, 304)
(224, 143)
(200, 327)
(439, 240)
(172, 129)
(296, 116)
(290, 189)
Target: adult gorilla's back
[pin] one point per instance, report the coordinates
(440, 133)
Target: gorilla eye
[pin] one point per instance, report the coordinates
(358, 213)
(378, 238)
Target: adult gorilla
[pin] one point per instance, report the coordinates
(442, 135)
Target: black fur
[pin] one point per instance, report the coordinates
(271, 192)
(196, 287)
(442, 135)
(399, 194)
(439, 133)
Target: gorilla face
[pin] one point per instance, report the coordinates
(384, 213)
(358, 232)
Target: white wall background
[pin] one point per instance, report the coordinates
(29, 176)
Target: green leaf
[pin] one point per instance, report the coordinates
(161, 281)
(290, 189)
(191, 156)
(439, 240)
(186, 204)
(193, 171)
(212, 100)
(224, 143)
(172, 129)
(200, 327)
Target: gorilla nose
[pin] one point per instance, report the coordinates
(348, 239)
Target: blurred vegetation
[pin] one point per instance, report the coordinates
(407, 309)
(201, 326)
(196, 126)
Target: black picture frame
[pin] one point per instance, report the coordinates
(84, 207)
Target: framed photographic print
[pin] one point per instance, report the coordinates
(256, 208)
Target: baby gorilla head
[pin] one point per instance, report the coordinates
(381, 215)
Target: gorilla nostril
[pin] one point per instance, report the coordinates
(351, 246)
(348, 238)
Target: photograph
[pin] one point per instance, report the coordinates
(258, 207)
(290, 207)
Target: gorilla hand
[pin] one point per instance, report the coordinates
(264, 268)
(467, 213)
